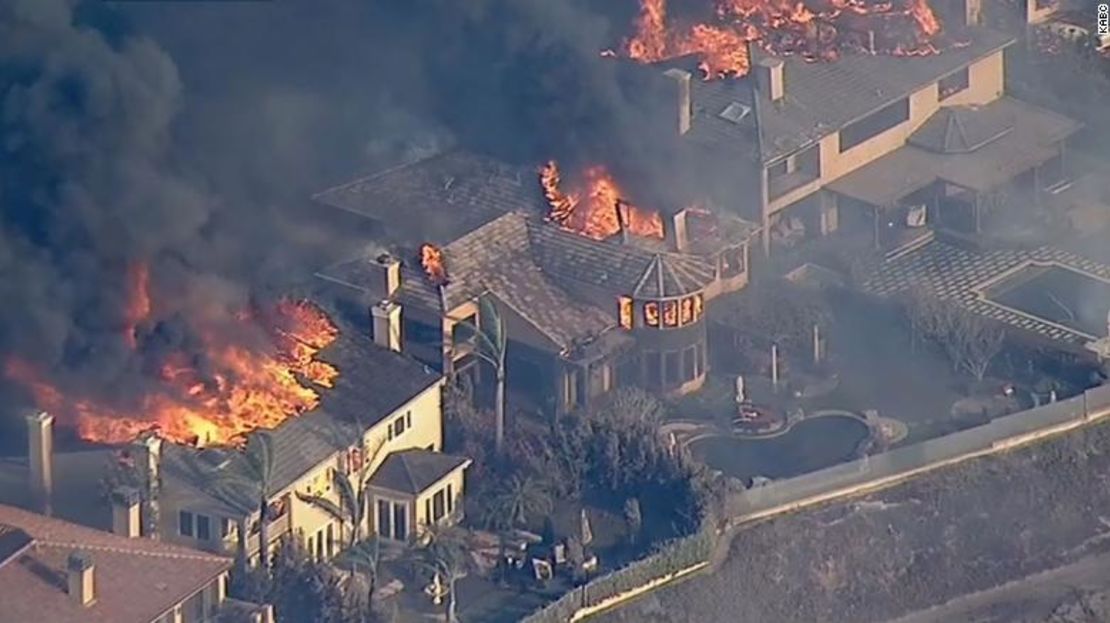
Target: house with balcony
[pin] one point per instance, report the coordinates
(385, 408)
(898, 148)
(582, 315)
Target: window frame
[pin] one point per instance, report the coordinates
(963, 83)
(186, 518)
(203, 525)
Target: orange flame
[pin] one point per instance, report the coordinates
(602, 212)
(431, 259)
(782, 27)
(247, 389)
(138, 306)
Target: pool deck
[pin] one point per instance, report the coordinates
(963, 275)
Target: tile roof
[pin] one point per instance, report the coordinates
(1032, 138)
(413, 471)
(960, 275)
(821, 97)
(137, 580)
(373, 383)
(440, 198)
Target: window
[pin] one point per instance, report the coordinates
(874, 124)
(399, 426)
(670, 313)
(331, 540)
(953, 84)
(428, 511)
(651, 314)
(624, 307)
(654, 369)
(320, 545)
(686, 311)
(400, 522)
(439, 505)
(421, 333)
(689, 363)
(225, 527)
(185, 523)
(408, 419)
(732, 262)
(385, 526)
(778, 169)
(450, 499)
(671, 363)
(808, 161)
(204, 528)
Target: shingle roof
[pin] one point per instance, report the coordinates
(413, 471)
(963, 129)
(440, 198)
(822, 97)
(1033, 139)
(373, 383)
(136, 580)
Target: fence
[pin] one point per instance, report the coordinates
(682, 556)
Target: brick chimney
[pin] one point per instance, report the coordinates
(769, 76)
(386, 319)
(81, 578)
(674, 230)
(126, 502)
(40, 459)
(683, 102)
(385, 276)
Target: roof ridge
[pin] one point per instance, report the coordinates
(139, 552)
(381, 173)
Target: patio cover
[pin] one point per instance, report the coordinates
(1032, 138)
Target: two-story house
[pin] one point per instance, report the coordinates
(385, 408)
(897, 146)
(582, 315)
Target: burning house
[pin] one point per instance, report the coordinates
(596, 290)
(364, 407)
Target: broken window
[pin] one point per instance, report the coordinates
(670, 313)
(955, 83)
(651, 314)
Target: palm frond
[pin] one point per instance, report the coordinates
(324, 504)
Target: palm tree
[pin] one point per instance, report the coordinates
(363, 557)
(354, 494)
(444, 551)
(245, 484)
(489, 338)
(517, 499)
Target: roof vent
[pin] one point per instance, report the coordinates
(735, 112)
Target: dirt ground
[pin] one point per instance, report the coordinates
(954, 532)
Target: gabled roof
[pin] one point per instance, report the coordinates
(822, 97)
(413, 471)
(441, 198)
(136, 580)
(373, 383)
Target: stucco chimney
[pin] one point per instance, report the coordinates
(683, 103)
(674, 229)
(973, 10)
(769, 74)
(147, 450)
(40, 459)
(386, 318)
(81, 578)
(126, 502)
(385, 276)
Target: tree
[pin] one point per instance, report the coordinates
(776, 313)
(363, 558)
(301, 590)
(245, 483)
(443, 551)
(631, 406)
(488, 336)
(353, 487)
(980, 342)
(517, 499)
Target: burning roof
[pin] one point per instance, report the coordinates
(255, 373)
(814, 30)
(597, 208)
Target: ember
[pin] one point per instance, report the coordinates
(597, 210)
(243, 388)
(431, 259)
(783, 27)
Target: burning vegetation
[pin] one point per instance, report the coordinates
(815, 29)
(215, 397)
(595, 208)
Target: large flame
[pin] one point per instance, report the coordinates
(431, 260)
(597, 209)
(817, 31)
(243, 388)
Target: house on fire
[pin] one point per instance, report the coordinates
(582, 315)
(385, 409)
(897, 146)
